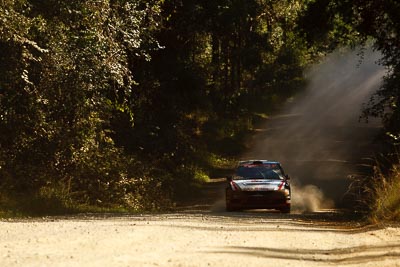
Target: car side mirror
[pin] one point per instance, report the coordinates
(287, 177)
(229, 178)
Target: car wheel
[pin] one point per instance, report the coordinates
(285, 210)
(229, 208)
(228, 205)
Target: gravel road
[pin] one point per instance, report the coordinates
(198, 238)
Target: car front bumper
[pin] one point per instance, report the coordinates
(258, 199)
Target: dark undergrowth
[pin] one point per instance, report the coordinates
(376, 198)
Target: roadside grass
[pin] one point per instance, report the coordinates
(17, 206)
(51, 202)
(31, 207)
(385, 205)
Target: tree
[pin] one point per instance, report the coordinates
(64, 73)
(355, 22)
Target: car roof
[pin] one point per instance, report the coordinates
(256, 161)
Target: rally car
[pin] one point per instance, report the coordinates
(258, 184)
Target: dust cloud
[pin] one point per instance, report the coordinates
(318, 136)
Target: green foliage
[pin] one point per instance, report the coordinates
(121, 103)
(48, 200)
(64, 73)
(354, 22)
(219, 59)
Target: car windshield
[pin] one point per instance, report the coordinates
(256, 172)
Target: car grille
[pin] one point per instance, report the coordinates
(271, 194)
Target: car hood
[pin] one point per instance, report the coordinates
(260, 184)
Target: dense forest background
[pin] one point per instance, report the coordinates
(133, 103)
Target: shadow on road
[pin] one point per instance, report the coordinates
(349, 255)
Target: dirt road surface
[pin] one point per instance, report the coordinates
(199, 238)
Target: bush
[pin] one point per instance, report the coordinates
(376, 197)
(386, 195)
(48, 201)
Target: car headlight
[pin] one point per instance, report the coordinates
(234, 186)
(286, 192)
